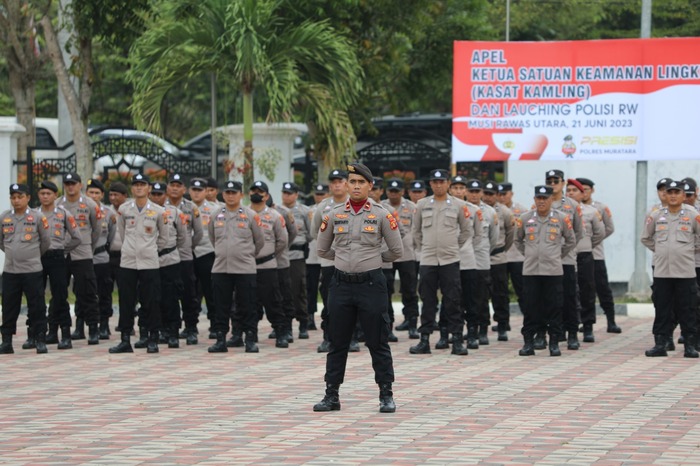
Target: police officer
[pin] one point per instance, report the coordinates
(313, 263)
(673, 234)
(118, 195)
(65, 237)
(237, 236)
(144, 231)
(283, 276)
(351, 235)
(515, 258)
(377, 190)
(190, 309)
(212, 192)
(24, 238)
(88, 215)
(544, 236)
(417, 191)
(440, 229)
(169, 262)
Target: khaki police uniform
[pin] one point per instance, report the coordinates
(515, 259)
(479, 322)
(103, 273)
(298, 252)
(499, 266)
(283, 274)
(204, 260)
(170, 276)
(602, 284)
(594, 233)
(468, 276)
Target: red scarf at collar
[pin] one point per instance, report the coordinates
(357, 206)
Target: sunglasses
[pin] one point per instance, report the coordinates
(551, 181)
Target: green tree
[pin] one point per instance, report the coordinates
(291, 64)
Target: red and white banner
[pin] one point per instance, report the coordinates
(628, 99)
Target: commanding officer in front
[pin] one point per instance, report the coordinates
(351, 235)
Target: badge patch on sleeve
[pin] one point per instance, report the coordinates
(324, 223)
(393, 224)
(466, 212)
(45, 223)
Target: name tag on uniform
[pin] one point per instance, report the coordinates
(7, 230)
(148, 229)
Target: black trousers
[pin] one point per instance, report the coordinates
(445, 278)
(569, 314)
(297, 275)
(515, 271)
(499, 293)
(54, 265)
(468, 283)
(285, 285)
(85, 289)
(675, 297)
(543, 301)
(170, 295)
(364, 302)
(105, 286)
(389, 278)
(145, 283)
(189, 300)
(313, 276)
(270, 299)
(408, 287)
(202, 272)
(244, 316)
(326, 277)
(602, 287)
(481, 297)
(13, 286)
(586, 286)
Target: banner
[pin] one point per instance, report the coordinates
(628, 99)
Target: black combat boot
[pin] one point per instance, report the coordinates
(153, 337)
(142, 342)
(163, 336)
(403, 326)
(528, 348)
(443, 342)
(79, 332)
(251, 339)
(104, 328)
(173, 340)
(281, 340)
(312, 322)
(572, 342)
(502, 329)
(220, 345)
(191, 337)
(689, 345)
(670, 346)
(272, 335)
(66, 342)
(303, 330)
(52, 336)
(483, 335)
(324, 347)
(540, 341)
(6, 346)
(386, 396)
(331, 401)
(588, 333)
(554, 346)
(458, 345)
(413, 329)
(391, 337)
(472, 338)
(124, 345)
(612, 326)
(423, 346)
(354, 346)
(30, 342)
(93, 335)
(41, 343)
(659, 348)
(236, 340)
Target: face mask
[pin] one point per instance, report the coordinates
(256, 197)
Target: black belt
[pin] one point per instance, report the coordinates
(115, 254)
(99, 250)
(297, 247)
(262, 260)
(55, 252)
(498, 250)
(165, 251)
(360, 277)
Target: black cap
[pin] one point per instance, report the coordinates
(211, 183)
(417, 185)
(663, 182)
(554, 174)
(361, 170)
(475, 184)
(675, 186)
(118, 187)
(140, 178)
(490, 187)
(459, 179)
(585, 182)
(233, 186)
(321, 188)
(198, 183)
(505, 187)
(690, 186)
(439, 175)
(337, 175)
(176, 178)
(157, 187)
(543, 191)
(394, 184)
(19, 188)
(46, 184)
(378, 182)
(94, 183)
(290, 187)
(260, 185)
(72, 178)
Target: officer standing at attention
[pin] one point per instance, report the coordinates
(515, 258)
(544, 236)
(313, 263)
(283, 277)
(64, 238)
(351, 235)
(213, 192)
(118, 195)
(88, 215)
(440, 228)
(144, 230)
(25, 237)
(673, 234)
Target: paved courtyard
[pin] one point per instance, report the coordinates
(606, 403)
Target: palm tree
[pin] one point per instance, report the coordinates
(303, 68)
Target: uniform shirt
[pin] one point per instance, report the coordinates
(353, 241)
(506, 233)
(24, 238)
(144, 232)
(467, 258)
(206, 211)
(544, 241)
(403, 214)
(108, 226)
(237, 237)
(87, 215)
(594, 230)
(606, 215)
(513, 254)
(116, 244)
(302, 225)
(489, 237)
(313, 258)
(674, 239)
(440, 228)
(275, 233)
(64, 229)
(290, 226)
(571, 208)
(324, 207)
(194, 227)
(177, 223)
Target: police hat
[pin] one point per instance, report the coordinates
(505, 187)
(554, 174)
(236, 186)
(474, 184)
(459, 179)
(48, 185)
(337, 175)
(439, 175)
(19, 188)
(361, 170)
(260, 185)
(157, 187)
(417, 185)
(394, 184)
(72, 178)
(290, 188)
(94, 183)
(585, 182)
(690, 187)
(378, 182)
(675, 186)
(543, 191)
(490, 187)
(211, 183)
(140, 178)
(321, 188)
(176, 178)
(663, 182)
(198, 183)
(118, 187)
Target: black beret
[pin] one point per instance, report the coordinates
(585, 182)
(211, 183)
(48, 185)
(94, 183)
(361, 170)
(118, 187)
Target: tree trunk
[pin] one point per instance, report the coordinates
(24, 93)
(248, 168)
